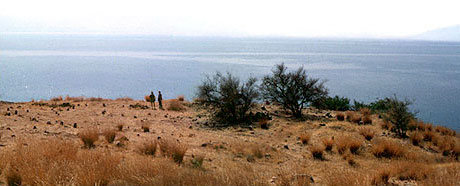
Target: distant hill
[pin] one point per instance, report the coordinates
(451, 33)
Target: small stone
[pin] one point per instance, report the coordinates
(252, 132)
(286, 147)
(138, 135)
(190, 127)
(49, 122)
(35, 127)
(8, 128)
(135, 116)
(13, 136)
(103, 104)
(322, 124)
(75, 125)
(62, 123)
(15, 112)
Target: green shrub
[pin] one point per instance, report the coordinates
(399, 115)
(333, 103)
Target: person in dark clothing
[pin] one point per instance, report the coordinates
(152, 99)
(160, 99)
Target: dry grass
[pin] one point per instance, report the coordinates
(124, 99)
(75, 99)
(197, 161)
(403, 171)
(109, 135)
(263, 123)
(120, 127)
(175, 105)
(305, 138)
(367, 120)
(173, 149)
(181, 98)
(445, 131)
(317, 152)
(367, 132)
(147, 98)
(350, 115)
(365, 111)
(340, 116)
(386, 125)
(59, 98)
(148, 148)
(328, 143)
(348, 143)
(145, 128)
(96, 99)
(89, 137)
(416, 138)
(430, 136)
(388, 149)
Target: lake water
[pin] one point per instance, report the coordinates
(44, 66)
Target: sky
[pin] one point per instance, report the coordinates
(292, 18)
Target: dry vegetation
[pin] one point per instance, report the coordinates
(45, 145)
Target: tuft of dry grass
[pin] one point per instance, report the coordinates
(124, 99)
(148, 148)
(175, 105)
(145, 128)
(59, 98)
(386, 125)
(328, 143)
(356, 119)
(147, 98)
(109, 135)
(120, 127)
(89, 137)
(13, 178)
(367, 132)
(388, 149)
(429, 136)
(317, 152)
(181, 98)
(95, 99)
(305, 138)
(367, 120)
(340, 116)
(365, 111)
(263, 123)
(416, 138)
(347, 143)
(350, 115)
(173, 149)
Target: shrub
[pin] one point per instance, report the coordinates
(416, 138)
(145, 128)
(88, 137)
(317, 152)
(340, 116)
(109, 135)
(354, 145)
(328, 143)
(59, 98)
(365, 111)
(398, 115)
(332, 103)
(345, 143)
(386, 125)
(429, 135)
(387, 149)
(305, 138)
(148, 148)
(263, 123)
(293, 90)
(232, 98)
(175, 105)
(355, 118)
(368, 133)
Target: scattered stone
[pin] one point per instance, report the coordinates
(135, 116)
(190, 127)
(205, 144)
(15, 112)
(263, 108)
(103, 104)
(49, 122)
(27, 111)
(68, 109)
(159, 137)
(7, 114)
(103, 112)
(7, 109)
(166, 115)
(250, 158)
(286, 147)
(8, 128)
(252, 132)
(62, 123)
(191, 135)
(75, 125)
(268, 156)
(138, 135)
(13, 136)
(35, 127)
(328, 115)
(322, 124)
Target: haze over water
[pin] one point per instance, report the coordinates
(41, 66)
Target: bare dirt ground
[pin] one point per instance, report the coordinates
(273, 156)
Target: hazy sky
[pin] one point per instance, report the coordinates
(324, 18)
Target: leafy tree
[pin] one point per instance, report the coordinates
(293, 90)
(399, 115)
(231, 97)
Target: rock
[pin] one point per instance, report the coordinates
(103, 112)
(49, 122)
(103, 104)
(322, 124)
(27, 111)
(15, 112)
(7, 114)
(328, 115)
(138, 135)
(191, 135)
(135, 116)
(286, 147)
(13, 136)
(267, 155)
(250, 158)
(263, 108)
(62, 123)
(252, 132)
(35, 127)
(360, 123)
(250, 127)
(205, 144)
(190, 127)
(75, 125)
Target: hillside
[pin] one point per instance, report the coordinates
(443, 34)
(41, 144)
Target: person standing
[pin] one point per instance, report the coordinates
(160, 99)
(152, 99)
